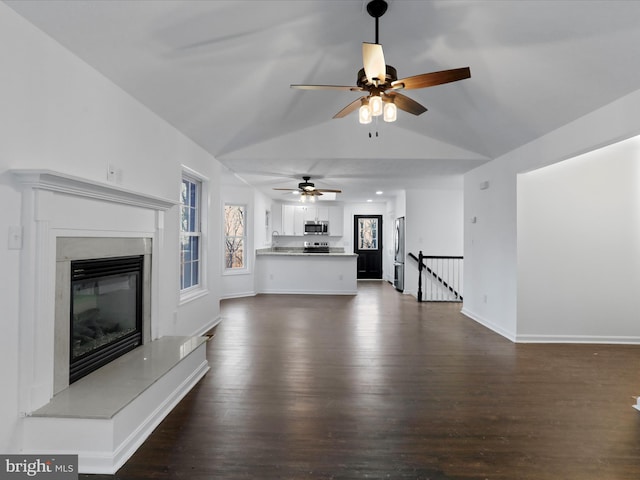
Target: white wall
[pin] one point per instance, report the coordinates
(433, 225)
(241, 282)
(372, 208)
(366, 208)
(59, 114)
(579, 248)
(491, 245)
(261, 206)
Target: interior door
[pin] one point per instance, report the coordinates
(367, 243)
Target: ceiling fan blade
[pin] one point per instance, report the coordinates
(407, 104)
(349, 108)
(373, 61)
(432, 79)
(328, 190)
(327, 87)
(287, 189)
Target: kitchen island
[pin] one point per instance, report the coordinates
(292, 270)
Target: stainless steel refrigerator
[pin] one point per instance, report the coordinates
(398, 260)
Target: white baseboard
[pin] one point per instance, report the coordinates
(595, 339)
(307, 292)
(537, 338)
(238, 295)
(208, 326)
(490, 325)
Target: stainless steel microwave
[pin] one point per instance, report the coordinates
(316, 228)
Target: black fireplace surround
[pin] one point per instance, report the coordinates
(106, 311)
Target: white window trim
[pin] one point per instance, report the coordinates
(202, 289)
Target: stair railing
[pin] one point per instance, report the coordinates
(444, 274)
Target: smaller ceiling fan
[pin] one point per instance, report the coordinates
(308, 189)
(381, 81)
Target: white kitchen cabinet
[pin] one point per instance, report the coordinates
(309, 213)
(295, 216)
(336, 221)
(322, 213)
(313, 213)
(293, 220)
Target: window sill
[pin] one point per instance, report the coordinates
(236, 271)
(192, 295)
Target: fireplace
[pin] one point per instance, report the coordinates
(103, 289)
(106, 312)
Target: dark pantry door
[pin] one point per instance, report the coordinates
(367, 243)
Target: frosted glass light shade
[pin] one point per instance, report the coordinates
(375, 102)
(364, 114)
(390, 112)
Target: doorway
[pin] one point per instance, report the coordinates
(367, 243)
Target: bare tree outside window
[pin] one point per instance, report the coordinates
(234, 236)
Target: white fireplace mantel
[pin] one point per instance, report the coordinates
(65, 183)
(56, 206)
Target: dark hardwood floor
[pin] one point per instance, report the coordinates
(379, 386)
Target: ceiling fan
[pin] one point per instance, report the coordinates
(381, 81)
(308, 189)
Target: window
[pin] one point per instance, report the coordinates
(235, 236)
(190, 233)
(367, 234)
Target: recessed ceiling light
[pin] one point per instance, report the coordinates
(369, 200)
(379, 192)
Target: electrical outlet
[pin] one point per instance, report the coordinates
(111, 173)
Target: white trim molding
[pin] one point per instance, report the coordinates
(64, 183)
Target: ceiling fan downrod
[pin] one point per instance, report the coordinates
(376, 9)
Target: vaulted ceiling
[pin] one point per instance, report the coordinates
(220, 71)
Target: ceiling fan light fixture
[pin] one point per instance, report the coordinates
(379, 80)
(375, 102)
(390, 112)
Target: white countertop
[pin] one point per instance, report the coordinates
(299, 251)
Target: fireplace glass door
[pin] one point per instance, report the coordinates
(106, 312)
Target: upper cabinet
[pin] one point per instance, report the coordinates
(336, 221)
(316, 214)
(292, 220)
(295, 216)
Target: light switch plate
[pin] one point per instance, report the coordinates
(15, 237)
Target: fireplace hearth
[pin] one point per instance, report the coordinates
(106, 312)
